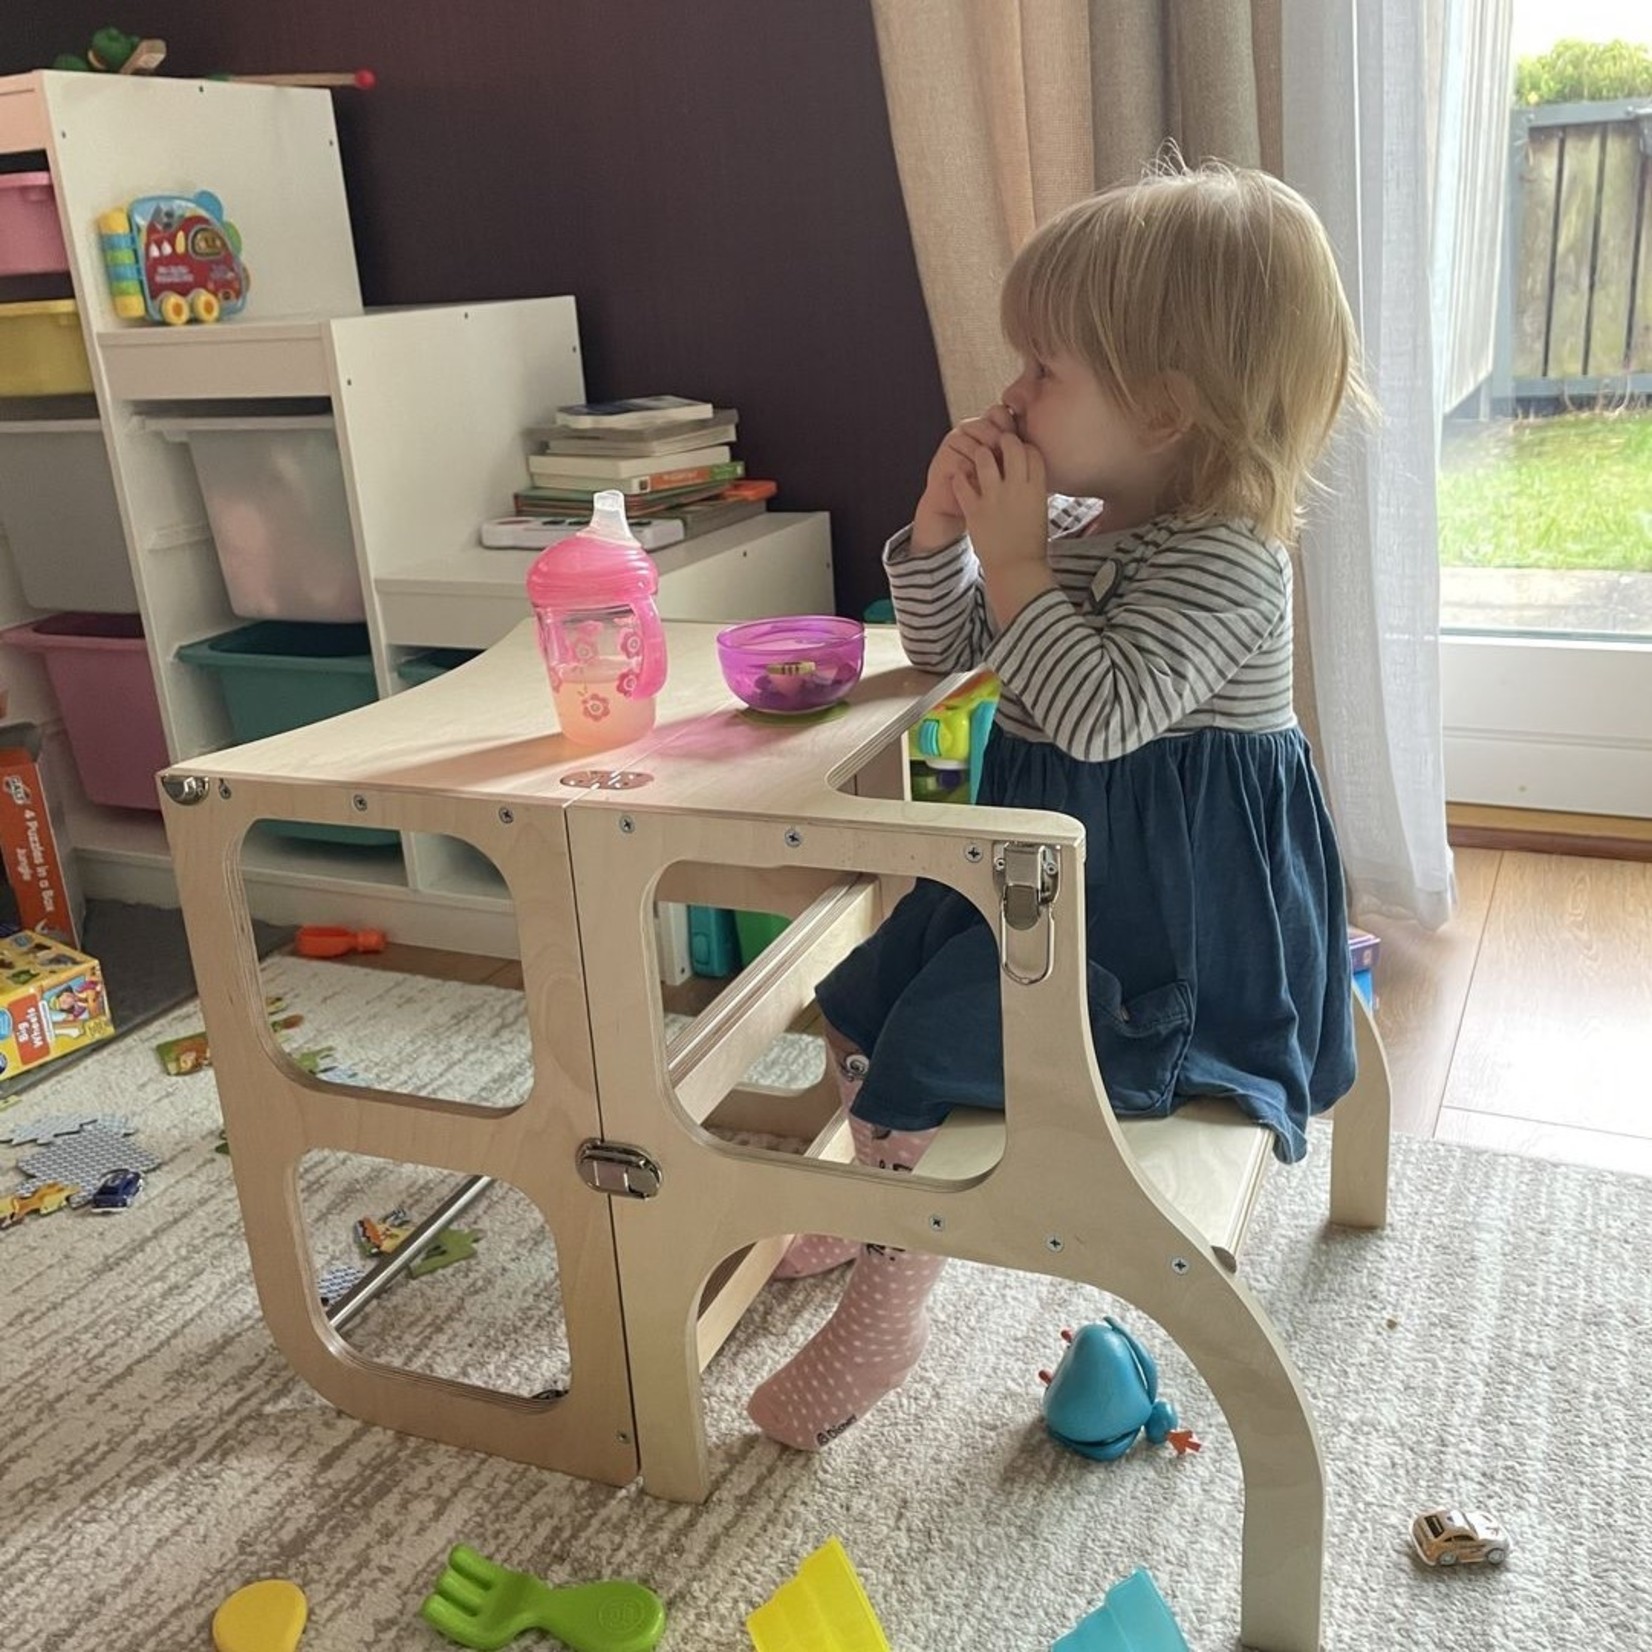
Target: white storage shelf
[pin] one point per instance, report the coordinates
(428, 410)
(236, 358)
(780, 562)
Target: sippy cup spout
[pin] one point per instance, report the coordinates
(608, 518)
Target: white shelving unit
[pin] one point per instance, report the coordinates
(428, 407)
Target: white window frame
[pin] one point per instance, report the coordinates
(1562, 723)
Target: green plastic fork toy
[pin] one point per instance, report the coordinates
(486, 1606)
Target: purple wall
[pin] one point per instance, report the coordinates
(713, 183)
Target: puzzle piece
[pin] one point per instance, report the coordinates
(83, 1160)
(454, 1245)
(336, 1281)
(45, 1131)
(320, 1064)
(381, 1237)
(190, 1053)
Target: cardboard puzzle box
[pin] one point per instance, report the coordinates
(52, 1001)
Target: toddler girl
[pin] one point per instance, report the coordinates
(1111, 541)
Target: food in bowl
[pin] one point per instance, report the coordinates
(794, 665)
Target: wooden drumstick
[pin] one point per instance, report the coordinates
(364, 78)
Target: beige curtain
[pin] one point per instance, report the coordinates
(1004, 111)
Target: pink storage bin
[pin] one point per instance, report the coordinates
(99, 667)
(31, 240)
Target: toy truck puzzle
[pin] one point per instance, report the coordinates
(173, 259)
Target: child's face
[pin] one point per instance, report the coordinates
(1091, 446)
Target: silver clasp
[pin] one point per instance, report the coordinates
(612, 1167)
(1028, 876)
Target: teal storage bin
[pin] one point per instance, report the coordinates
(279, 675)
(423, 668)
(713, 944)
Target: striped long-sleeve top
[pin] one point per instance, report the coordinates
(1161, 629)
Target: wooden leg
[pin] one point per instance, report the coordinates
(1064, 1197)
(275, 1114)
(1360, 1125)
(1218, 1324)
(1282, 1545)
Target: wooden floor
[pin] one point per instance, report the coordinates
(1524, 1025)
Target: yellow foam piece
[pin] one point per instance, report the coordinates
(823, 1609)
(263, 1617)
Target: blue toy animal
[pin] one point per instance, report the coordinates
(1104, 1393)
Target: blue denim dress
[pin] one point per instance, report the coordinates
(1218, 953)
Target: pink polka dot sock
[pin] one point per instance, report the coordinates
(865, 1350)
(900, 1150)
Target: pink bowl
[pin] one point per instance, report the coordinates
(794, 665)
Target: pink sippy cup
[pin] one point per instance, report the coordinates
(599, 631)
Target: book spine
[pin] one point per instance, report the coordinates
(643, 410)
(552, 468)
(516, 536)
(661, 481)
(549, 502)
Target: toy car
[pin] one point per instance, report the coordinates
(46, 1198)
(116, 1191)
(1449, 1537)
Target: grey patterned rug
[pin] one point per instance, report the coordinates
(1491, 1348)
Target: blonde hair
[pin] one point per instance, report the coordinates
(1221, 275)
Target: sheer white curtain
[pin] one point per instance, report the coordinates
(1355, 142)
(1471, 72)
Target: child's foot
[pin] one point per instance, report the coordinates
(813, 1253)
(864, 1351)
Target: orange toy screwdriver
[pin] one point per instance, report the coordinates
(323, 941)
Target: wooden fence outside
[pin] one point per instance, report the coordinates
(1575, 316)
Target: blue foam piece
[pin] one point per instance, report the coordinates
(1133, 1618)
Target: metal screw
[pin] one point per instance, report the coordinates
(623, 1437)
(627, 824)
(1053, 1243)
(973, 853)
(223, 788)
(937, 1223)
(506, 817)
(359, 804)
(1179, 1264)
(794, 838)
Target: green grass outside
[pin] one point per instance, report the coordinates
(1572, 491)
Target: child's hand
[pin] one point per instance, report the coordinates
(1005, 505)
(938, 520)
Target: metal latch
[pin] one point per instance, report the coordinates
(186, 788)
(1028, 876)
(611, 1167)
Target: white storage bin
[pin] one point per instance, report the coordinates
(58, 513)
(274, 494)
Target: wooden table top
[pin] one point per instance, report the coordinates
(488, 730)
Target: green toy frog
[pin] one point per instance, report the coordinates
(114, 52)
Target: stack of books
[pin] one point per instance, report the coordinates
(669, 456)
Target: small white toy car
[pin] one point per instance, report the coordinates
(1450, 1537)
